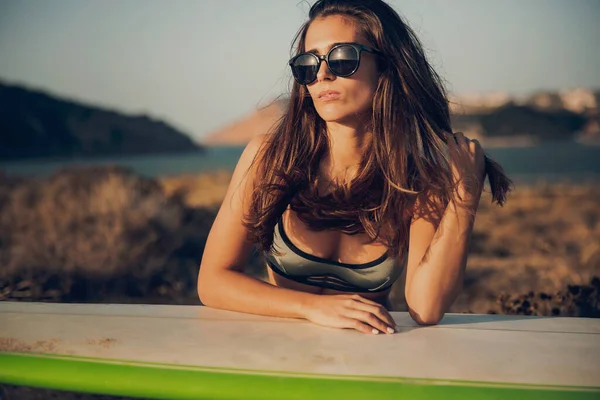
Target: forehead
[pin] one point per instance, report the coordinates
(323, 32)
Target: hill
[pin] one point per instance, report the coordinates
(242, 130)
(35, 124)
(496, 119)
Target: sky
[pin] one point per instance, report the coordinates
(201, 64)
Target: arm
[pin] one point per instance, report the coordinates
(222, 283)
(437, 261)
(439, 245)
(221, 280)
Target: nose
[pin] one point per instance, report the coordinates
(324, 72)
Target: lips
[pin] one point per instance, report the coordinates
(329, 95)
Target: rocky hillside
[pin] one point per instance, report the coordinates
(242, 130)
(495, 119)
(35, 124)
(498, 118)
(513, 124)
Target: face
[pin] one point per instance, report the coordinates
(355, 91)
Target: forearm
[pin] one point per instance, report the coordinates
(438, 279)
(232, 290)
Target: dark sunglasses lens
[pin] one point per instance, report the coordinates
(305, 68)
(343, 60)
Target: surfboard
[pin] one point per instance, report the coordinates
(196, 352)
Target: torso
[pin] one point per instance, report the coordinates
(330, 245)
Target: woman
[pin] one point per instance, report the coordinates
(358, 180)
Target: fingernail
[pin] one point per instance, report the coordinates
(375, 331)
(390, 330)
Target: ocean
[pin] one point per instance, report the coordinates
(550, 162)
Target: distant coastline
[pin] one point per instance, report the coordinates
(495, 119)
(37, 125)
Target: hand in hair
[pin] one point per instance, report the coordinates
(351, 312)
(468, 165)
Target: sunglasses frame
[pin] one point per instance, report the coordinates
(359, 48)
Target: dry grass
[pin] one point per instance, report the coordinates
(108, 235)
(82, 233)
(201, 190)
(111, 235)
(546, 237)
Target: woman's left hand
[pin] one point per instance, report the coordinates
(468, 166)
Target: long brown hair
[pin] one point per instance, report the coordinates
(407, 156)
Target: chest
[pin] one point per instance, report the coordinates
(331, 245)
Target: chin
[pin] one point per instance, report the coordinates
(332, 115)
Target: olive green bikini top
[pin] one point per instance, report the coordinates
(375, 276)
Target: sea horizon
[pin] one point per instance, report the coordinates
(552, 161)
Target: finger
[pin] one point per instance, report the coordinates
(380, 312)
(377, 309)
(454, 142)
(369, 318)
(351, 323)
(450, 138)
(460, 138)
(363, 299)
(374, 303)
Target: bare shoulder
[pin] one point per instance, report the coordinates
(226, 244)
(246, 168)
(256, 143)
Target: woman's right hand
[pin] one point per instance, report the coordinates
(350, 311)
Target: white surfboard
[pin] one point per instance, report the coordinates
(160, 351)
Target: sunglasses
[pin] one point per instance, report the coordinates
(343, 59)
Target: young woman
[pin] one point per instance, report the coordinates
(360, 179)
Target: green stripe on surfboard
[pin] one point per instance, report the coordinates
(165, 381)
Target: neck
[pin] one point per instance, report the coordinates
(347, 145)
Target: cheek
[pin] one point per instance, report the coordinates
(365, 85)
(358, 99)
(362, 95)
